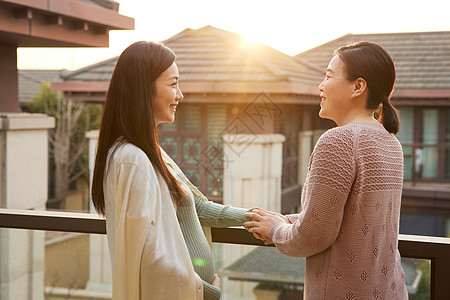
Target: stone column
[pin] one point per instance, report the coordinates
(100, 278)
(305, 150)
(252, 178)
(23, 185)
(252, 170)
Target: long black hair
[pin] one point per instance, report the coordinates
(372, 63)
(128, 114)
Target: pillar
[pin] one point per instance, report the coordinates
(8, 79)
(23, 185)
(252, 175)
(305, 150)
(252, 178)
(100, 278)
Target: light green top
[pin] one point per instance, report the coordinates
(195, 214)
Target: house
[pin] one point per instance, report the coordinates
(30, 82)
(49, 23)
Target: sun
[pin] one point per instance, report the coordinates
(251, 40)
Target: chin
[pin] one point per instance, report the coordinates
(322, 113)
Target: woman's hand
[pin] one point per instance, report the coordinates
(216, 282)
(262, 223)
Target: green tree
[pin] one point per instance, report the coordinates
(423, 289)
(67, 141)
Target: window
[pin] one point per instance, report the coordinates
(406, 137)
(194, 143)
(425, 137)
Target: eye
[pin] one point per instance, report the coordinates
(174, 84)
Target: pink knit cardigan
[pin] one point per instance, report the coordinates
(348, 226)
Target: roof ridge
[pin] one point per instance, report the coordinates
(66, 74)
(325, 44)
(308, 64)
(403, 32)
(271, 67)
(183, 33)
(33, 78)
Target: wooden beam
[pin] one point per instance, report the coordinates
(54, 20)
(91, 13)
(23, 13)
(76, 10)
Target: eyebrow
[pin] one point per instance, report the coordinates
(173, 77)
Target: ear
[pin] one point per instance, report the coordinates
(359, 87)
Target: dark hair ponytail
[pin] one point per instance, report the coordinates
(128, 114)
(388, 116)
(372, 63)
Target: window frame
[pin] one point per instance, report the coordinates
(418, 143)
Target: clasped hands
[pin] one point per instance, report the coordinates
(262, 223)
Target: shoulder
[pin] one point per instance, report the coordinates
(340, 137)
(129, 154)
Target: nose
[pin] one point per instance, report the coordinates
(179, 95)
(320, 87)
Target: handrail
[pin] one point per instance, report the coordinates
(52, 221)
(436, 249)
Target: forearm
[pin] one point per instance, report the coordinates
(315, 229)
(218, 215)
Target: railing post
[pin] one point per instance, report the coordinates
(440, 285)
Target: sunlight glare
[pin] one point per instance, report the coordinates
(251, 40)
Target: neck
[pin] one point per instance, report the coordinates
(360, 116)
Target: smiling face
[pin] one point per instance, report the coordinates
(168, 95)
(336, 91)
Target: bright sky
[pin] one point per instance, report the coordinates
(291, 26)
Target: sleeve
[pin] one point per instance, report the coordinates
(330, 177)
(212, 214)
(292, 218)
(134, 215)
(210, 292)
(218, 215)
(209, 213)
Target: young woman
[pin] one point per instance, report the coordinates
(348, 226)
(153, 213)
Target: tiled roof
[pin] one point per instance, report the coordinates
(30, 82)
(422, 59)
(100, 71)
(211, 54)
(267, 264)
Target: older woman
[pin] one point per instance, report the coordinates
(348, 226)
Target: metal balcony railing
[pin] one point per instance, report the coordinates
(435, 249)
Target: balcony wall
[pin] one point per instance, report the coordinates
(436, 250)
